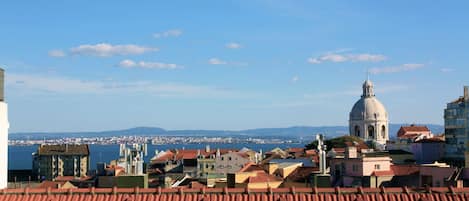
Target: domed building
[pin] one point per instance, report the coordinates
(369, 119)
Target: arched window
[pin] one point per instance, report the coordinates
(383, 131)
(357, 131)
(371, 131)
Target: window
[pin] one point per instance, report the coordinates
(377, 167)
(371, 131)
(222, 158)
(357, 131)
(206, 166)
(383, 131)
(355, 168)
(229, 158)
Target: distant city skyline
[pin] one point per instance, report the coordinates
(230, 65)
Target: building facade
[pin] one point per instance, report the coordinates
(457, 128)
(360, 169)
(4, 125)
(369, 119)
(51, 161)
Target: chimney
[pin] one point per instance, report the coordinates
(466, 91)
(350, 152)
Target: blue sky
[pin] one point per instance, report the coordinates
(227, 64)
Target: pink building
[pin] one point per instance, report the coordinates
(367, 169)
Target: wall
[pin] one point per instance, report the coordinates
(226, 166)
(274, 184)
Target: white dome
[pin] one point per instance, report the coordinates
(368, 108)
(369, 119)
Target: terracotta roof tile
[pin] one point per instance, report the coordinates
(302, 173)
(412, 131)
(383, 173)
(51, 184)
(263, 177)
(295, 149)
(403, 170)
(249, 167)
(320, 194)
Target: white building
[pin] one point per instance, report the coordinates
(4, 125)
(369, 119)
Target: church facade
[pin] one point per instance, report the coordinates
(369, 118)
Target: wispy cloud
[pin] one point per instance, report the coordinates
(127, 63)
(233, 45)
(216, 61)
(56, 53)
(446, 70)
(295, 79)
(396, 69)
(339, 58)
(66, 85)
(168, 33)
(106, 50)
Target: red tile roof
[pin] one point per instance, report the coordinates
(222, 194)
(311, 152)
(188, 154)
(263, 177)
(295, 149)
(51, 184)
(302, 173)
(383, 173)
(64, 178)
(403, 170)
(249, 167)
(411, 131)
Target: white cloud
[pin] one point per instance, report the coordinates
(314, 61)
(56, 53)
(64, 85)
(233, 45)
(446, 70)
(295, 79)
(396, 69)
(168, 33)
(149, 65)
(339, 58)
(105, 50)
(216, 61)
(127, 63)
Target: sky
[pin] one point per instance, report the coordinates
(101, 65)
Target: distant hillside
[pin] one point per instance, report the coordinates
(290, 132)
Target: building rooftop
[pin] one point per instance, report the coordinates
(238, 194)
(412, 131)
(64, 149)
